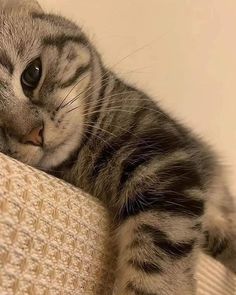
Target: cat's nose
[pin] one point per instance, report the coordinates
(34, 137)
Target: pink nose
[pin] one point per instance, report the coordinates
(35, 137)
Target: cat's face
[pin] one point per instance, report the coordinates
(45, 61)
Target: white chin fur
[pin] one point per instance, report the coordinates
(58, 156)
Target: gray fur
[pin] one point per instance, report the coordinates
(163, 185)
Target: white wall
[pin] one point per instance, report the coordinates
(181, 52)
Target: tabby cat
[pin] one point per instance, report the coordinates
(64, 112)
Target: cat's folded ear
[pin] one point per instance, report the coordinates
(30, 5)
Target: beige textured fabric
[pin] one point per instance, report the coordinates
(54, 239)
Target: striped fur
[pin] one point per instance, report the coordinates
(162, 184)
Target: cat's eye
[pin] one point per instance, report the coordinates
(32, 74)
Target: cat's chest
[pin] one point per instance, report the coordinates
(81, 171)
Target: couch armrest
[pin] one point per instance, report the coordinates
(54, 239)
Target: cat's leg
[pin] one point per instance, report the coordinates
(219, 226)
(157, 255)
(159, 214)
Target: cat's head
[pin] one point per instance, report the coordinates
(45, 61)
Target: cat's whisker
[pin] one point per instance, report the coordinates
(73, 99)
(119, 110)
(107, 71)
(82, 92)
(114, 95)
(115, 101)
(123, 129)
(97, 136)
(60, 106)
(109, 109)
(87, 89)
(99, 128)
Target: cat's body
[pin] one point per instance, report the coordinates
(77, 120)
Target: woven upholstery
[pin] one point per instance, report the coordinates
(54, 239)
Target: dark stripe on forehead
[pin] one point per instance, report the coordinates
(6, 62)
(61, 40)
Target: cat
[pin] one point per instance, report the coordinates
(64, 112)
